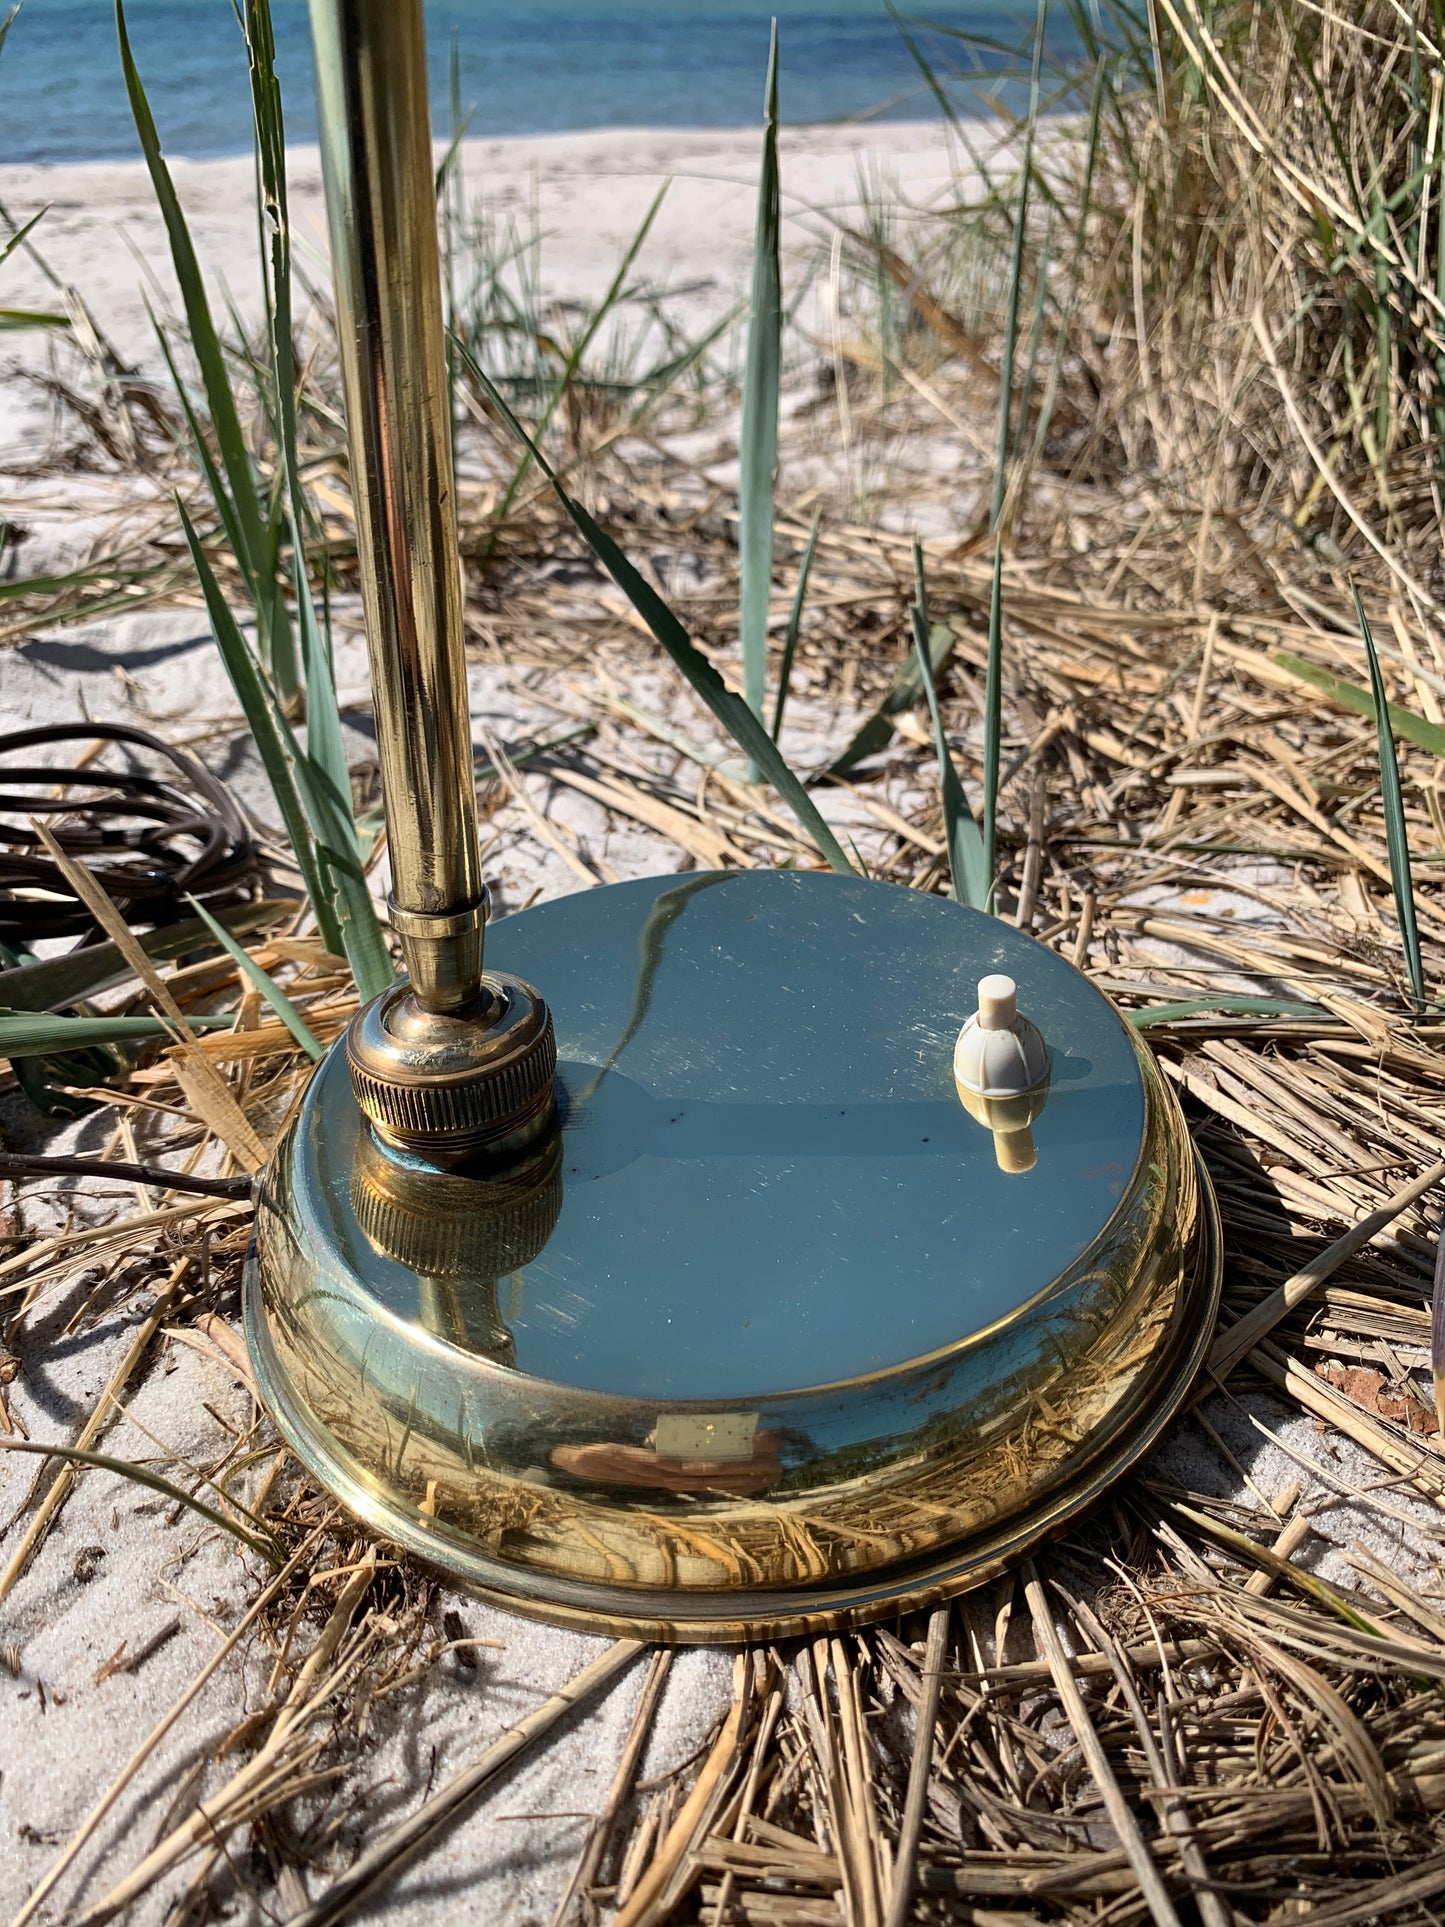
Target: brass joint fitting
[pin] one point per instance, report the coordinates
(452, 1086)
(443, 951)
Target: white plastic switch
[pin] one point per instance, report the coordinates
(999, 1053)
(1001, 1068)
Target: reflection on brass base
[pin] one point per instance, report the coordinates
(760, 1339)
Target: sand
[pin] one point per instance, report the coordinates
(584, 195)
(68, 1733)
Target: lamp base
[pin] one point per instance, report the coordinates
(765, 1339)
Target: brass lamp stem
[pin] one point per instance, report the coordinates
(452, 1066)
(376, 154)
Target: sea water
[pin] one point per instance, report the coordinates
(526, 67)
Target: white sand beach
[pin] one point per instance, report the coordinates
(584, 195)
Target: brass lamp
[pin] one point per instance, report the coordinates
(810, 1251)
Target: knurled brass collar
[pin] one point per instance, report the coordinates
(455, 1086)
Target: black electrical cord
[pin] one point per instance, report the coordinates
(14, 1165)
(149, 841)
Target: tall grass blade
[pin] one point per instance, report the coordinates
(221, 498)
(993, 718)
(904, 692)
(572, 365)
(262, 980)
(255, 556)
(17, 239)
(268, 1547)
(277, 758)
(1403, 722)
(758, 435)
(731, 711)
(1393, 801)
(21, 320)
(324, 746)
(50, 983)
(36, 1033)
(970, 874)
(320, 832)
(795, 623)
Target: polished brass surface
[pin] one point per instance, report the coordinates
(761, 1338)
(1010, 1119)
(461, 1235)
(375, 129)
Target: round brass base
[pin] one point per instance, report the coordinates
(766, 1339)
(728, 1617)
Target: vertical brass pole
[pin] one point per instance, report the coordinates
(376, 154)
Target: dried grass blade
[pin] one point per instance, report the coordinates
(59, 1490)
(690, 833)
(655, 1896)
(1241, 1337)
(378, 1864)
(214, 1099)
(250, 1790)
(1213, 1910)
(1151, 1885)
(522, 797)
(900, 1898)
(1396, 835)
(585, 1871)
(83, 1833)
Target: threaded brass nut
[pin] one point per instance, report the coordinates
(455, 1086)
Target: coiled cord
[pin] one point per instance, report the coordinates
(149, 841)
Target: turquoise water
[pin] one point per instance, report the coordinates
(527, 67)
